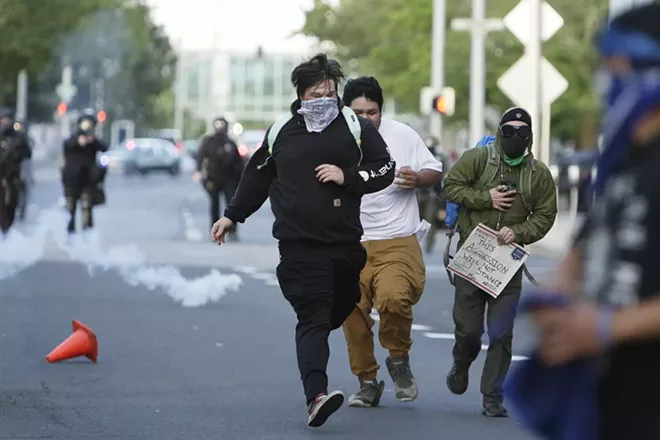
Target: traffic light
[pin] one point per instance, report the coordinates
(61, 108)
(101, 116)
(445, 103)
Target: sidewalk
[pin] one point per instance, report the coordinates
(556, 242)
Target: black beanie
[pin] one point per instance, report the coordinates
(516, 114)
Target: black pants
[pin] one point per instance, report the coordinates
(469, 309)
(8, 205)
(214, 191)
(75, 194)
(322, 284)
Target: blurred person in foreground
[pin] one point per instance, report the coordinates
(612, 275)
(219, 168)
(505, 188)
(315, 167)
(394, 277)
(81, 175)
(14, 150)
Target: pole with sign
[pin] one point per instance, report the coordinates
(66, 90)
(533, 82)
(479, 27)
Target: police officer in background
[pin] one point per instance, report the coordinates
(14, 149)
(81, 175)
(219, 167)
(27, 174)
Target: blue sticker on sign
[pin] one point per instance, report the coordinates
(518, 253)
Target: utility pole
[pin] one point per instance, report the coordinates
(181, 90)
(479, 27)
(438, 62)
(534, 49)
(22, 97)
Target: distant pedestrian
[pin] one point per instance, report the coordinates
(315, 164)
(219, 168)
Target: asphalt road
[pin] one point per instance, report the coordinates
(195, 340)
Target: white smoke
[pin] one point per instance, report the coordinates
(20, 250)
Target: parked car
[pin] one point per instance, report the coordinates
(171, 135)
(142, 156)
(250, 141)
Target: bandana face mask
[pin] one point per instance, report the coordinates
(319, 113)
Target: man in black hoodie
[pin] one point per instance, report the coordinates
(219, 167)
(315, 168)
(14, 149)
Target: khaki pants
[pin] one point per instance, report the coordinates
(392, 281)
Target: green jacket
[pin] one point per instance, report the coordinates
(534, 210)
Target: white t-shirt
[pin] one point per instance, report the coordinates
(394, 212)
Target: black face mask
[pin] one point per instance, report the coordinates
(515, 146)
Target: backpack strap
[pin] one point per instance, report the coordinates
(491, 169)
(355, 127)
(525, 185)
(276, 128)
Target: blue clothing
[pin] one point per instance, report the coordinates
(452, 208)
(555, 403)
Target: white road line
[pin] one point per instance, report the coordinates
(450, 337)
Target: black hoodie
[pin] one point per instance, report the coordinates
(304, 208)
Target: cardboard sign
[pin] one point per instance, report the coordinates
(485, 263)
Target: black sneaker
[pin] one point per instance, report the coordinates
(405, 388)
(494, 409)
(323, 406)
(458, 379)
(369, 395)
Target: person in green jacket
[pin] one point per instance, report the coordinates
(506, 189)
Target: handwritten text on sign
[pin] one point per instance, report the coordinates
(485, 263)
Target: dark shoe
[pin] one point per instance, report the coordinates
(494, 409)
(323, 406)
(369, 395)
(458, 379)
(405, 388)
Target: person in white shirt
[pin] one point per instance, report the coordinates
(394, 277)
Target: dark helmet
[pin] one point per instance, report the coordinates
(87, 121)
(220, 124)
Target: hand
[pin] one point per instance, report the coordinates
(329, 173)
(567, 334)
(82, 140)
(502, 199)
(197, 176)
(409, 178)
(219, 229)
(505, 236)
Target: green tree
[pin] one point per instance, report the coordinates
(394, 44)
(121, 55)
(30, 31)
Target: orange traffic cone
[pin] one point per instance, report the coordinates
(81, 343)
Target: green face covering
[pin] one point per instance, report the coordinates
(514, 162)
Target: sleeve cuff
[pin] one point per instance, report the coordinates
(233, 216)
(350, 177)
